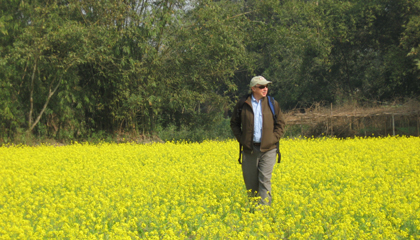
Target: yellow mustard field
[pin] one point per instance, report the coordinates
(364, 188)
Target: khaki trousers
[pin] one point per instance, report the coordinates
(257, 169)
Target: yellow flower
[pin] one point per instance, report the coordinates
(362, 188)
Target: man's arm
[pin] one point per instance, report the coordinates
(235, 123)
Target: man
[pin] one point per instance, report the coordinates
(258, 133)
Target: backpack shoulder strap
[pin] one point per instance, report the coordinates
(271, 103)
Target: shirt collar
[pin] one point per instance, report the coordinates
(252, 98)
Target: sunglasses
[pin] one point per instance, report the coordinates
(263, 86)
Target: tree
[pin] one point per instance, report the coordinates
(367, 59)
(289, 46)
(44, 52)
(206, 50)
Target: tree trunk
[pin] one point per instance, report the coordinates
(31, 100)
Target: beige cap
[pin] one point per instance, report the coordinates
(258, 80)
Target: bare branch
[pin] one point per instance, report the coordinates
(50, 94)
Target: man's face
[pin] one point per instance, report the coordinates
(260, 91)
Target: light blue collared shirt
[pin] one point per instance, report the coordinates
(256, 107)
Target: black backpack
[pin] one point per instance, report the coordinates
(271, 104)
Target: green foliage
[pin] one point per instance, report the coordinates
(367, 58)
(411, 36)
(217, 131)
(93, 69)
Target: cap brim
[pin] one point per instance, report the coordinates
(264, 82)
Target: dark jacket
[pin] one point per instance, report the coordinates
(243, 126)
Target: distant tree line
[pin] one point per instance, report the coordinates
(72, 68)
